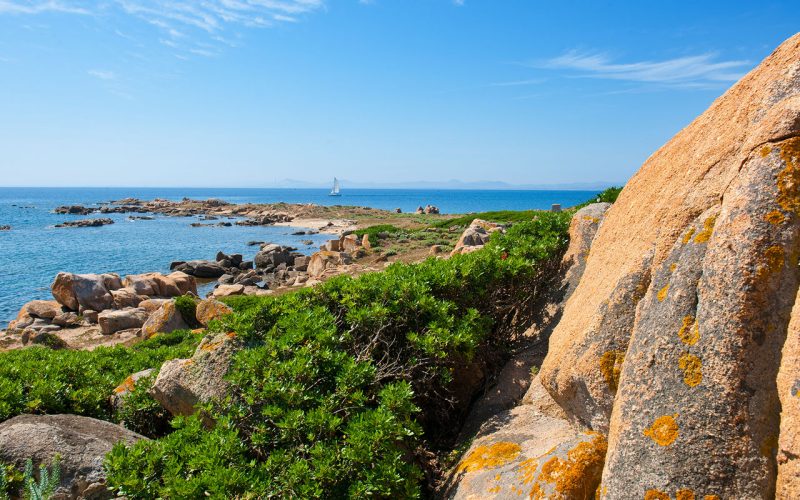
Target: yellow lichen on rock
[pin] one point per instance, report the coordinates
(688, 235)
(487, 457)
(690, 331)
(568, 478)
(611, 367)
(789, 177)
(664, 430)
(127, 385)
(655, 495)
(672, 267)
(708, 228)
(775, 217)
(692, 368)
(684, 494)
(662, 294)
(765, 151)
(711, 497)
(528, 469)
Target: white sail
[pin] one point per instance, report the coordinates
(335, 190)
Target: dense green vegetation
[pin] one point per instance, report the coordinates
(344, 390)
(608, 196)
(42, 380)
(374, 231)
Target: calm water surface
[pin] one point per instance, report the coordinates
(34, 251)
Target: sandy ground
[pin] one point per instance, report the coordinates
(324, 226)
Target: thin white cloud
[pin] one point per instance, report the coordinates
(39, 7)
(173, 16)
(102, 74)
(700, 70)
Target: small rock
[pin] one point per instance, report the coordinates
(228, 290)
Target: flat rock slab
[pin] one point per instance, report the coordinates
(81, 442)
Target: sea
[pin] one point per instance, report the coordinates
(34, 251)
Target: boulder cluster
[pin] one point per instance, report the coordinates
(428, 209)
(138, 302)
(475, 236)
(673, 371)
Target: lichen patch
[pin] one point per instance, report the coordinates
(655, 495)
(664, 430)
(708, 229)
(789, 178)
(689, 332)
(775, 217)
(692, 367)
(662, 294)
(573, 477)
(611, 367)
(489, 457)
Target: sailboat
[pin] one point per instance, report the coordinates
(335, 190)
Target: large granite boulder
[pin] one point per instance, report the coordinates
(45, 309)
(272, 256)
(183, 383)
(210, 309)
(201, 269)
(475, 236)
(668, 350)
(165, 319)
(788, 482)
(671, 341)
(323, 261)
(85, 291)
(530, 451)
(582, 230)
(114, 320)
(81, 442)
(157, 284)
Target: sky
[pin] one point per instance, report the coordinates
(248, 93)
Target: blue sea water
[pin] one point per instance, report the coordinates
(33, 251)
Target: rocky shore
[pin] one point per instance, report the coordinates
(331, 220)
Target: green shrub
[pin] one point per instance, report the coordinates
(501, 216)
(41, 380)
(608, 196)
(343, 390)
(373, 232)
(141, 413)
(187, 306)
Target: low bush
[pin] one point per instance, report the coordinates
(41, 380)
(501, 216)
(344, 390)
(187, 306)
(374, 231)
(607, 196)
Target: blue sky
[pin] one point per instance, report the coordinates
(249, 92)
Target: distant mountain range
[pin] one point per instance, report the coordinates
(450, 184)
